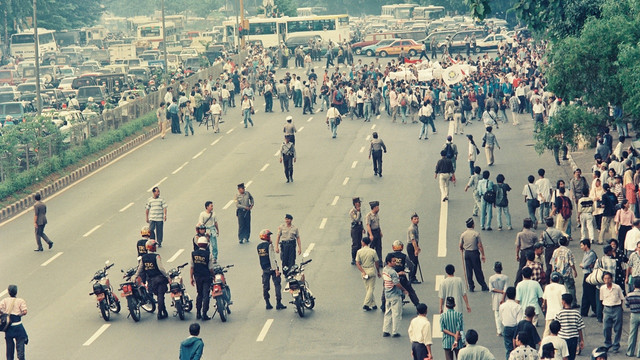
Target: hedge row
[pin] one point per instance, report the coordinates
(19, 182)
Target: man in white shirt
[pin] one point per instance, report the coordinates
(210, 221)
(420, 334)
(332, 115)
(216, 112)
(544, 195)
(510, 313)
(552, 300)
(632, 238)
(559, 344)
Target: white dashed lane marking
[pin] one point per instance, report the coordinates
(335, 200)
(126, 207)
(92, 230)
(158, 183)
(198, 154)
(52, 258)
(346, 180)
(230, 130)
(180, 168)
(175, 256)
(265, 330)
(264, 167)
(228, 204)
(354, 164)
(323, 223)
(95, 335)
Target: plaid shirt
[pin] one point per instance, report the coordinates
(562, 260)
(536, 274)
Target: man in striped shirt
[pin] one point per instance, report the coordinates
(156, 213)
(393, 296)
(633, 303)
(571, 325)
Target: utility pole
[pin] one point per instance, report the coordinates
(243, 40)
(164, 43)
(37, 56)
(237, 25)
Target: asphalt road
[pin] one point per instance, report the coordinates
(99, 218)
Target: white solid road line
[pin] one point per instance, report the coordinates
(277, 153)
(436, 331)
(309, 120)
(81, 180)
(335, 200)
(362, 149)
(126, 207)
(346, 180)
(248, 184)
(442, 229)
(264, 167)
(52, 258)
(180, 168)
(228, 204)
(353, 165)
(215, 142)
(373, 126)
(308, 251)
(439, 280)
(92, 230)
(198, 154)
(95, 335)
(175, 256)
(301, 128)
(323, 223)
(265, 330)
(230, 130)
(157, 184)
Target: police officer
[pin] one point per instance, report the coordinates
(270, 269)
(290, 129)
(401, 264)
(201, 230)
(413, 249)
(141, 245)
(357, 230)
(473, 251)
(201, 275)
(372, 223)
(244, 204)
(288, 157)
(288, 236)
(151, 266)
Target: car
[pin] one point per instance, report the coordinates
(187, 53)
(129, 63)
(86, 69)
(66, 121)
(56, 96)
(9, 96)
(10, 77)
(149, 57)
(66, 83)
(411, 48)
(30, 103)
(292, 42)
(491, 42)
(84, 80)
(29, 87)
(98, 93)
(67, 71)
(140, 74)
(15, 109)
(370, 39)
(457, 40)
(371, 49)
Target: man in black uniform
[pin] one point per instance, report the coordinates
(357, 230)
(270, 269)
(201, 230)
(201, 273)
(288, 157)
(401, 263)
(151, 266)
(141, 246)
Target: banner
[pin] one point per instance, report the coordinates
(452, 75)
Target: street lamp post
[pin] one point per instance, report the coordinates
(37, 57)
(164, 42)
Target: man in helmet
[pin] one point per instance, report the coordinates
(290, 129)
(201, 231)
(201, 275)
(401, 265)
(151, 266)
(288, 238)
(270, 269)
(141, 246)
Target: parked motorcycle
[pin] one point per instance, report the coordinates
(107, 300)
(220, 292)
(180, 300)
(299, 288)
(137, 295)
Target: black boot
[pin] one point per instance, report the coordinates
(198, 316)
(279, 306)
(269, 307)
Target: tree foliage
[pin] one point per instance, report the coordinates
(570, 125)
(53, 14)
(557, 18)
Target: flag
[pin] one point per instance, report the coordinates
(452, 75)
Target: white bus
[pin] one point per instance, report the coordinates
(152, 33)
(430, 12)
(397, 11)
(23, 43)
(329, 27)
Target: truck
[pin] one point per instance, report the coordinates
(122, 52)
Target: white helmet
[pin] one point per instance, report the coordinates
(202, 241)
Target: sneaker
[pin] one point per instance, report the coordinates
(395, 335)
(366, 308)
(385, 334)
(375, 307)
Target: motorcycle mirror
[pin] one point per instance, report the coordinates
(106, 262)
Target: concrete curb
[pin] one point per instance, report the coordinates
(63, 182)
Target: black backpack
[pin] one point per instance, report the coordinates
(449, 154)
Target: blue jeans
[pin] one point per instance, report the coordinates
(213, 243)
(423, 131)
(472, 165)
(507, 216)
(430, 122)
(387, 105)
(403, 111)
(532, 211)
(225, 105)
(486, 210)
(334, 127)
(545, 209)
(367, 111)
(634, 323)
(612, 320)
(247, 117)
(507, 335)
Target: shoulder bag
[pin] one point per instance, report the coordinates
(534, 200)
(5, 319)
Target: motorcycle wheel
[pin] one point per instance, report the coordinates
(300, 306)
(134, 308)
(115, 304)
(179, 309)
(221, 307)
(188, 303)
(149, 304)
(104, 310)
(309, 301)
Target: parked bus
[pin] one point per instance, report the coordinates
(270, 31)
(329, 27)
(397, 11)
(23, 43)
(152, 33)
(430, 12)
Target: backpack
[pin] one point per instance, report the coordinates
(565, 211)
(403, 102)
(339, 95)
(501, 196)
(449, 151)
(490, 194)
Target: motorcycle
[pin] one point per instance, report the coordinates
(137, 295)
(107, 300)
(299, 288)
(220, 292)
(180, 300)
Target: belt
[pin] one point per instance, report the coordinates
(286, 241)
(612, 306)
(16, 323)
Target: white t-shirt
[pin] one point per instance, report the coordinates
(216, 109)
(553, 295)
(562, 350)
(544, 188)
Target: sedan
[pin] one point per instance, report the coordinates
(411, 48)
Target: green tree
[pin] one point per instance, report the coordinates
(287, 7)
(570, 125)
(557, 18)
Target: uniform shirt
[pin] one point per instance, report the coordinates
(209, 262)
(286, 233)
(367, 257)
(470, 240)
(377, 145)
(451, 320)
(553, 295)
(158, 263)
(244, 201)
(562, 260)
(526, 239)
(420, 330)
(413, 234)
(611, 297)
(141, 246)
(523, 352)
(373, 220)
(497, 282)
(209, 220)
(527, 294)
(390, 278)
(156, 208)
(355, 216)
(510, 313)
(287, 149)
(562, 350)
(475, 352)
